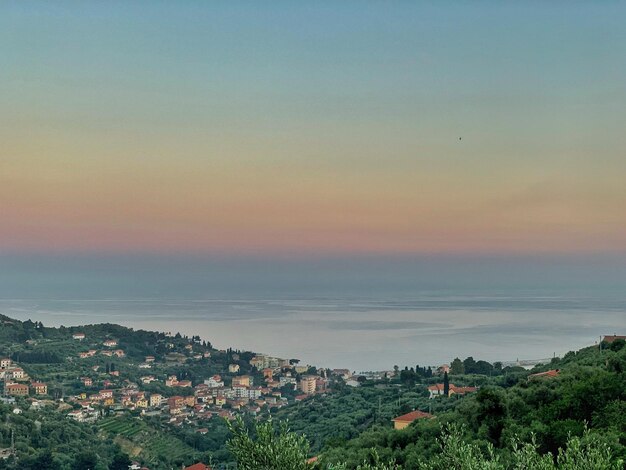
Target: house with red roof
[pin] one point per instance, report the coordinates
(403, 421)
(549, 374)
(198, 466)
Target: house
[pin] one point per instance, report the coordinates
(79, 336)
(106, 393)
(215, 382)
(119, 353)
(549, 374)
(149, 359)
(436, 390)
(442, 369)
(77, 415)
(16, 390)
(184, 383)
(461, 390)
(155, 400)
(87, 382)
(344, 373)
(39, 388)
(18, 374)
(233, 368)
(202, 431)
(242, 380)
(197, 466)
(5, 363)
(308, 384)
(268, 373)
(403, 421)
(610, 339)
(110, 343)
(171, 381)
(175, 402)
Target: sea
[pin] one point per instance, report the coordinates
(364, 314)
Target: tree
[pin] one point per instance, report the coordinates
(120, 462)
(269, 448)
(469, 365)
(457, 367)
(85, 461)
(45, 461)
(446, 385)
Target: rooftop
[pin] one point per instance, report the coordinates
(412, 416)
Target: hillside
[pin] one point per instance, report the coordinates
(101, 381)
(589, 391)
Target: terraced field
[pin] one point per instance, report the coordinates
(143, 441)
(123, 427)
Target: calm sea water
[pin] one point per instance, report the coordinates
(363, 315)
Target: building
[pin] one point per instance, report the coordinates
(18, 374)
(461, 390)
(268, 373)
(436, 390)
(16, 390)
(549, 374)
(233, 368)
(286, 380)
(175, 402)
(111, 343)
(214, 382)
(308, 384)
(149, 359)
(343, 373)
(197, 466)
(39, 388)
(5, 363)
(242, 380)
(79, 336)
(87, 382)
(155, 400)
(611, 338)
(403, 421)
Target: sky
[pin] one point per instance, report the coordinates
(312, 128)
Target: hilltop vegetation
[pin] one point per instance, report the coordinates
(580, 410)
(589, 392)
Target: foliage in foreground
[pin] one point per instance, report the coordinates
(270, 449)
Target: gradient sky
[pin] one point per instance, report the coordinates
(320, 128)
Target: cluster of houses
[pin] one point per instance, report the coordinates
(187, 403)
(438, 390)
(109, 343)
(17, 383)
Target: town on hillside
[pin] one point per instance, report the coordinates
(100, 374)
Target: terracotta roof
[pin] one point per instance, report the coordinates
(610, 339)
(548, 373)
(198, 466)
(462, 390)
(412, 416)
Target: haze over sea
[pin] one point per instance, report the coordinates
(364, 313)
